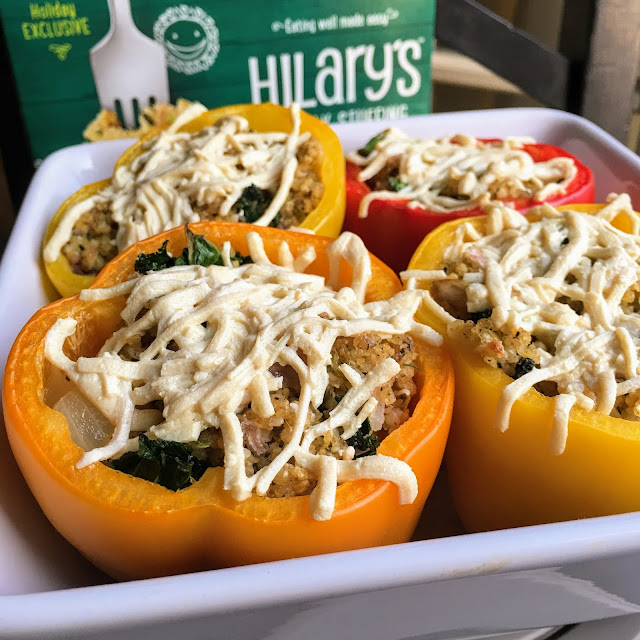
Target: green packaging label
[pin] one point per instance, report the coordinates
(346, 61)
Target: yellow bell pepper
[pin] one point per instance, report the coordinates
(132, 528)
(63, 278)
(500, 480)
(326, 219)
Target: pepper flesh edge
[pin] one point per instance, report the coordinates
(131, 528)
(325, 220)
(511, 479)
(393, 230)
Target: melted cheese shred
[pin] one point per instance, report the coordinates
(561, 277)
(480, 171)
(154, 193)
(218, 331)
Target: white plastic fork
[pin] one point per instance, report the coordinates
(128, 67)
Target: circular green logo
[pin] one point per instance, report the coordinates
(190, 38)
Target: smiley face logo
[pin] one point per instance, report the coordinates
(185, 40)
(190, 38)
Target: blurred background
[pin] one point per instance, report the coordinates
(592, 45)
(459, 82)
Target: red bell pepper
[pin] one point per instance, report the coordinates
(393, 230)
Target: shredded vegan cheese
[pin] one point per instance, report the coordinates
(217, 334)
(569, 279)
(460, 172)
(153, 193)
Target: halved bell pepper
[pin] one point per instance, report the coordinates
(326, 219)
(62, 276)
(393, 230)
(131, 528)
(511, 479)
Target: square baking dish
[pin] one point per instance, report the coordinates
(444, 584)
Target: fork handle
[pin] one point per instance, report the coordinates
(120, 12)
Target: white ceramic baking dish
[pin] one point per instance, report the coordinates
(443, 585)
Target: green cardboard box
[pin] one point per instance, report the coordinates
(346, 61)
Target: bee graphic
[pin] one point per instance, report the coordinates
(61, 51)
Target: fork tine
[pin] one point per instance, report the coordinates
(128, 114)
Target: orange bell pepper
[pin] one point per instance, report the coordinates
(131, 528)
(326, 219)
(500, 480)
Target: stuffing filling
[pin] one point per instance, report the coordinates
(265, 437)
(512, 349)
(303, 197)
(107, 126)
(93, 241)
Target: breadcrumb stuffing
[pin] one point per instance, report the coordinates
(107, 126)
(264, 438)
(93, 240)
(503, 349)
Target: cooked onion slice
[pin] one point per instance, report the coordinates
(88, 427)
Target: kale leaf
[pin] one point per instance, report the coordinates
(372, 144)
(524, 366)
(182, 259)
(275, 223)
(395, 184)
(476, 316)
(198, 251)
(364, 441)
(253, 203)
(240, 259)
(162, 462)
(157, 261)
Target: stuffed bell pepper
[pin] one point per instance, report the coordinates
(401, 188)
(227, 398)
(542, 317)
(262, 164)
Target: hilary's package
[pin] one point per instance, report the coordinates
(345, 61)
